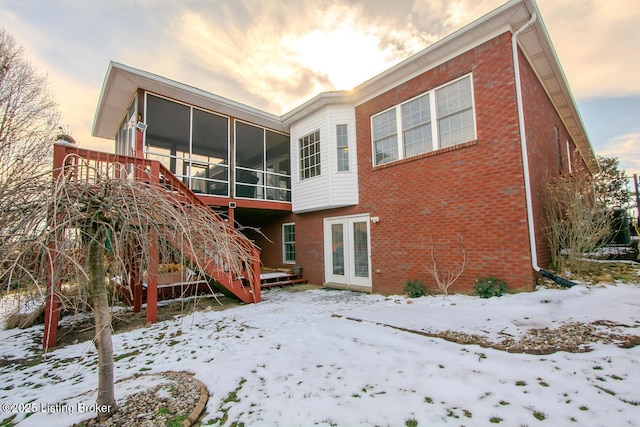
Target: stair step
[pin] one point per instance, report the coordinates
(282, 283)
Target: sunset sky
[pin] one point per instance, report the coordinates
(275, 54)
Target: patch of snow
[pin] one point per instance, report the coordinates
(298, 359)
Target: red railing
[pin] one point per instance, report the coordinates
(92, 166)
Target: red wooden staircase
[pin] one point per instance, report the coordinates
(91, 166)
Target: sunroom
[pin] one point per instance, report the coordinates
(231, 155)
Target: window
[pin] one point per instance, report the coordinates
(262, 163)
(449, 107)
(455, 113)
(192, 143)
(310, 155)
(289, 243)
(556, 138)
(385, 137)
(343, 147)
(126, 137)
(416, 126)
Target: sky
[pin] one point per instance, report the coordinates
(275, 54)
(325, 358)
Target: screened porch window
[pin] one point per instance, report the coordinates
(263, 168)
(192, 143)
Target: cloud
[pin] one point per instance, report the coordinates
(626, 148)
(284, 62)
(275, 54)
(597, 43)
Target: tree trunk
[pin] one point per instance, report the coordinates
(106, 402)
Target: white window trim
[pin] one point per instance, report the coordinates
(568, 145)
(284, 248)
(435, 134)
(301, 178)
(338, 148)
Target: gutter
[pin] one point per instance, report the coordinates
(525, 161)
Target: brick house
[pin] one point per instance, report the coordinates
(450, 147)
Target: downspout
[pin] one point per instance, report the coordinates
(525, 161)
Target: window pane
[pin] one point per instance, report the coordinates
(455, 113)
(456, 129)
(249, 146)
(342, 142)
(417, 140)
(210, 137)
(210, 153)
(289, 242)
(384, 125)
(309, 155)
(416, 112)
(361, 249)
(416, 126)
(386, 150)
(337, 249)
(341, 136)
(385, 138)
(247, 183)
(168, 128)
(454, 97)
(278, 153)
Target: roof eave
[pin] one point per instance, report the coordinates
(541, 54)
(122, 83)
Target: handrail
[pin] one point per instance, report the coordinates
(100, 164)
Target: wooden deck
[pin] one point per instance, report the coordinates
(269, 279)
(168, 289)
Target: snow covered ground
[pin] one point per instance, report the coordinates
(300, 359)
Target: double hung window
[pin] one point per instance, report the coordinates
(309, 155)
(289, 243)
(435, 119)
(342, 142)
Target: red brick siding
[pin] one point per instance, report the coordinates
(269, 237)
(476, 191)
(545, 160)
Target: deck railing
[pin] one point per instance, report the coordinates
(92, 166)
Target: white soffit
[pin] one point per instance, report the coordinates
(122, 82)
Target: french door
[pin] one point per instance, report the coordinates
(347, 251)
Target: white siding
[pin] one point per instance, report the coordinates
(331, 188)
(344, 184)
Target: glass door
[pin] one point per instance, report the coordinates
(359, 251)
(347, 250)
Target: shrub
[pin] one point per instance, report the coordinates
(414, 288)
(575, 223)
(487, 287)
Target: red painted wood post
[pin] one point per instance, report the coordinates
(256, 276)
(231, 217)
(52, 303)
(152, 279)
(152, 268)
(136, 282)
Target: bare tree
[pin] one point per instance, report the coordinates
(97, 219)
(575, 222)
(445, 276)
(28, 122)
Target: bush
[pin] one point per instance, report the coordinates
(487, 287)
(414, 288)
